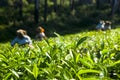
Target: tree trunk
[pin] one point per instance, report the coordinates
(109, 1)
(72, 4)
(36, 12)
(45, 11)
(98, 4)
(119, 6)
(61, 2)
(55, 5)
(114, 6)
(85, 2)
(20, 8)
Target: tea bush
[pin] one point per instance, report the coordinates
(82, 56)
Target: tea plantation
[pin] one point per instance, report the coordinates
(90, 55)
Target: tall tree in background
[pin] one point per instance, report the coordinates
(98, 4)
(72, 4)
(20, 8)
(62, 2)
(36, 12)
(45, 11)
(115, 5)
(55, 5)
(85, 2)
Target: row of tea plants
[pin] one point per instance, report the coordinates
(83, 56)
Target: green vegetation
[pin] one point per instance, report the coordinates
(82, 56)
(63, 21)
(76, 52)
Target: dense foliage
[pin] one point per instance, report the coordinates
(63, 16)
(86, 55)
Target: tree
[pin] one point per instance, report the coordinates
(36, 12)
(98, 4)
(20, 8)
(55, 5)
(45, 10)
(114, 6)
(85, 1)
(72, 4)
(62, 2)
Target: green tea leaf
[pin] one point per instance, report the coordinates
(48, 55)
(88, 71)
(81, 41)
(15, 73)
(35, 71)
(28, 70)
(3, 57)
(86, 63)
(7, 76)
(77, 57)
(57, 34)
(115, 63)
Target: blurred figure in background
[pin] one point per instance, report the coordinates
(22, 38)
(100, 25)
(40, 33)
(107, 25)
